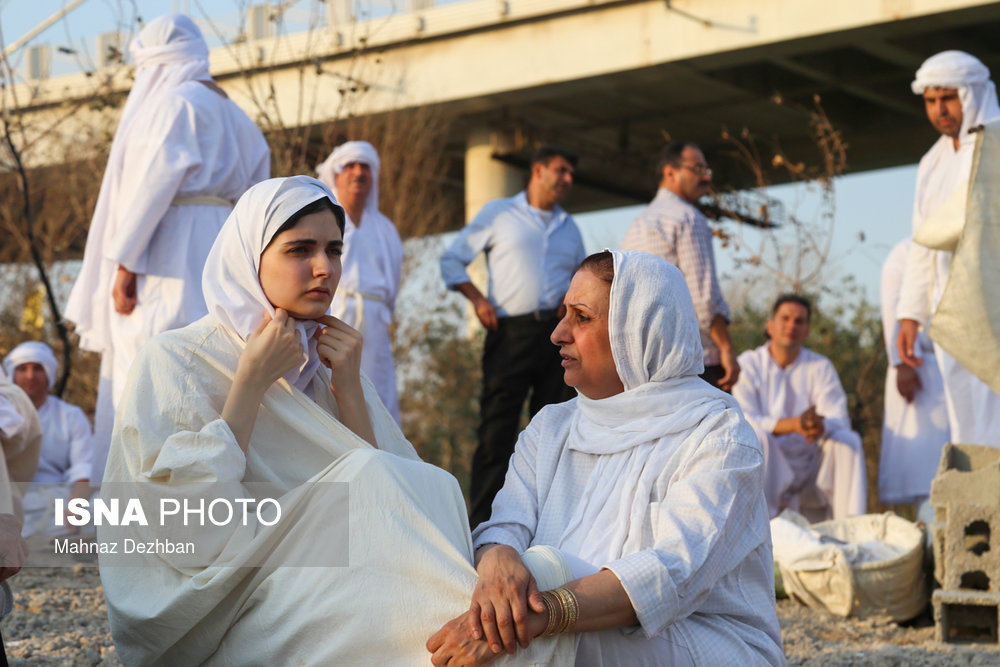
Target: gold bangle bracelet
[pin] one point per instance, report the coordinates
(553, 606)
(570, 608)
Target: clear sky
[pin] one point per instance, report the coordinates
(875, 206)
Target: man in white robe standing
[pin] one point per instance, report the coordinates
(915, 421)
(372, 261)
(65, 461)
(959, 97)
(795, 402)
(182, 154)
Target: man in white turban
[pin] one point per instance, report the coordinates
(182, 154)
(959, 98)
(65, 460)
(372, 260)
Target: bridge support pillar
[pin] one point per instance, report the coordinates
(485, 179)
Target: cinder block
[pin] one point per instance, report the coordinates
(972, 548)
(966, 616)
(967, 474)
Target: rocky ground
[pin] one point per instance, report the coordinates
(59, 619)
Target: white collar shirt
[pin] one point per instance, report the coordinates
(530, 263)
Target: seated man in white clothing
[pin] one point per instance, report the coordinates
(793, 398)
(64, 463)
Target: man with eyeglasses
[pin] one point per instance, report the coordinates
(673, 228)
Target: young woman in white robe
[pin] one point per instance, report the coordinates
(266, 392)
(650, 485)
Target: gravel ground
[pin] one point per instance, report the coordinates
(59, 619)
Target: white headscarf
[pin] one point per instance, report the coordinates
(665, 408)
(33, 352)
(231, 284)
(657, 351)
(964, 72)
(169, 51)
(345, 154)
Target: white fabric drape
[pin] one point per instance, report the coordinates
(912, 433)
(372, 262)
(168, 52)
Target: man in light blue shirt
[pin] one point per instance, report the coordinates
(532, 248)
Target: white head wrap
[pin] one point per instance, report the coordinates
(33, 352)
(345, 154)
(653, 326)
(657, 350)
(230, 282)
(168, 52)
(964, 72)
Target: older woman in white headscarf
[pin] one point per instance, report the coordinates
(264, 398)
(373, 259)
(182, 154)
(650, 485)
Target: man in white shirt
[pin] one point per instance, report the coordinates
(673, 228)
(182, 154)
(794, 401)
(533, 248)
(65, 461)
(372, 261)
(959, 97)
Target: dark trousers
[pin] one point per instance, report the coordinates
(517, 358)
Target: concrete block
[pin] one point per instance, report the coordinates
(968, 474)
(971, 552)
(966, 616)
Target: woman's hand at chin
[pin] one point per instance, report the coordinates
(339, 348)
(272, 350)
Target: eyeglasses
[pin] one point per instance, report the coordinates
(697, 168)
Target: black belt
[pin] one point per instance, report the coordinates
(533, 316)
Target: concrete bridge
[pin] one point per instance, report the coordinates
(610, 78)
